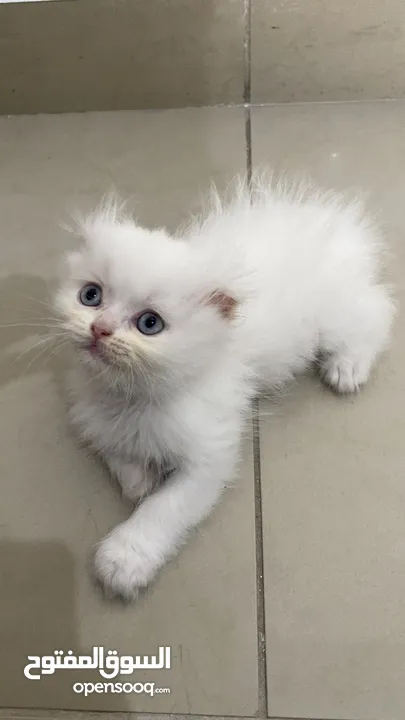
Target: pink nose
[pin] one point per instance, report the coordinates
(99, 331)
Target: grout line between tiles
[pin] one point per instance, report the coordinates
(248, 141)
(27, 714)
(262, 709)
(261, 620)
(295, 103)
(247, 88)
(247, 84)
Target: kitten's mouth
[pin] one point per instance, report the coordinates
(95, 349)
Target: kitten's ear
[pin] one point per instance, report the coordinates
(225, 304)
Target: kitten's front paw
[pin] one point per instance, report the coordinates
(121, 565)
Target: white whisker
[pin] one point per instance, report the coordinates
(56, 350)
(42, 350)
(30, 325)
(46, 339)
(29, 297)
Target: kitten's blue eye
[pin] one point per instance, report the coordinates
(91, 295)
(150, 323)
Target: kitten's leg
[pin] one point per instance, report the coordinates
(131, 555)
(353, 336)
(135, 481)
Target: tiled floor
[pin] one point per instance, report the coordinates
(333, 497)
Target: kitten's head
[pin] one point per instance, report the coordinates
(140, 305)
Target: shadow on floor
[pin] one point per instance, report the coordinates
(38, 616)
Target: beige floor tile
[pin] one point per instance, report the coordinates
(320, 50)
(333, 468)
(120, 54)
(56, 502)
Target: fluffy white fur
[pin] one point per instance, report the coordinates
(264, 285)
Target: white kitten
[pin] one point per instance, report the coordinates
(175, 335)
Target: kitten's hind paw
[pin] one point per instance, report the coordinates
(344, 374)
